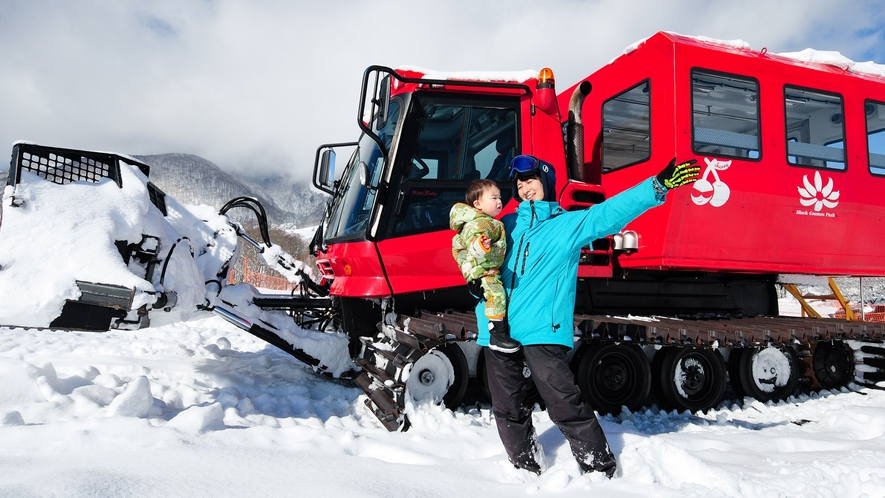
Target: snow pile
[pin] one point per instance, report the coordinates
(836, 59)
(76, 227)
(737, 44)
(54, 235)
(828, 57)
(36, 266)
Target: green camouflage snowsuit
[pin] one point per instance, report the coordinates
(473, 259)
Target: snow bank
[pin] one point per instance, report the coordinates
(202, 408)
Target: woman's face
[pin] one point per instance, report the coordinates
(530, 190)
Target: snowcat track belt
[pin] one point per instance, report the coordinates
(408, 338)
(730, 331)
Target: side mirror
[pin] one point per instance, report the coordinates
(324, 166)
(327, 168)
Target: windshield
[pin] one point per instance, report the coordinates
(353, 207)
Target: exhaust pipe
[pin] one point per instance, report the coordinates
(575, 133)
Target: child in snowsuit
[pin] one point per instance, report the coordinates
(479, 248)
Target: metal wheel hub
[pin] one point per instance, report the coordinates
(771, 369)
(691, 376)
(434, 376)
(614, 376)
(426, 377)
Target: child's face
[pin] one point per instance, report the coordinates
(489, 202)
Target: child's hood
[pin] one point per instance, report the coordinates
(462, 214)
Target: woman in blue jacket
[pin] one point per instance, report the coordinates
(540, 276)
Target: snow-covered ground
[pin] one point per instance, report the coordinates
(201, 408)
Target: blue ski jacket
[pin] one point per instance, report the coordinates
(540, 271)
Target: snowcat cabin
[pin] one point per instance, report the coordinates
(792, 157)
(429, 137)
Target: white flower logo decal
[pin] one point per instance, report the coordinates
(818, 195)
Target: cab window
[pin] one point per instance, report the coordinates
(447, 143)
(626, 128)
(875, 113)
(725, 115)
(815, 128)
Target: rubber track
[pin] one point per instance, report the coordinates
(428, 330)
(726, 332)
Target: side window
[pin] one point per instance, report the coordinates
(875, 112)
(459, 141)
(725, 115)
(626, 128)
(353, 208)
(815, 128)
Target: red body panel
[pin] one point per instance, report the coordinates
(762, 227)
(357, 270)
(421, 262)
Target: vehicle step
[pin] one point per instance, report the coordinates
(380, 375)
(875, 362)
(381, 403)
(872, 376)
(397, 359)
(872, 350)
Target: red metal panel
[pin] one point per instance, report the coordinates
(421, 262)
(761, 225)
(547, 144)
(357, 271)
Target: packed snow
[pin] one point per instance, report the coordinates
(201, 408)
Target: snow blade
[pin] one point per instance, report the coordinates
(97, 306)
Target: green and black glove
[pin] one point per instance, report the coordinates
(677, 175)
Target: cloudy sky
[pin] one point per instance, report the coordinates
(257, 85)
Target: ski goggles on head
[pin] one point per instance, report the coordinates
(523, 167)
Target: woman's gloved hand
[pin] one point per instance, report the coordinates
(677, 175)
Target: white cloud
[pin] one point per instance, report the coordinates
(260, 84)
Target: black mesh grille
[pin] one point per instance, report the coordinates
(66, 169)
(64, 166)
(158, 197)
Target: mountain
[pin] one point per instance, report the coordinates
(194, 180)
(304, 201)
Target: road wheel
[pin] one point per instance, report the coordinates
(689, 378)
(440, 376)
(833, 364)
(768, 373)
(614, 375)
